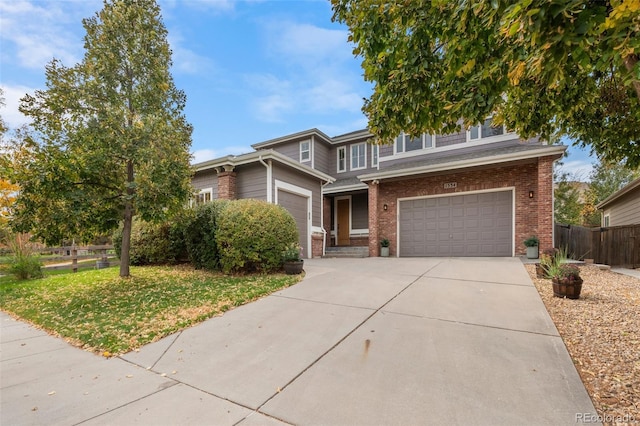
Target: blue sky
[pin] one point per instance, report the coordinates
(252, 70)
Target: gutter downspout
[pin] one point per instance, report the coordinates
(324, 231)
(269, 179)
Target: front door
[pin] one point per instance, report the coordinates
(343, 222)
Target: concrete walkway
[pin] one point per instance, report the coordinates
(359, 341)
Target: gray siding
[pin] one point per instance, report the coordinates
(626, 210)
(322, 157)
(312, 184)
(206, 179)
(291, 150)
(360, 211)
(451, 139)
(251, 181)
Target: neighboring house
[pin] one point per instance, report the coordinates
(622, 207)
(479, 192)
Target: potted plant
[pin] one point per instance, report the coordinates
(532, 244)
(292, 262)
(384, 247)
(566, 281)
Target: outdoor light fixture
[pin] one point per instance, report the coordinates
(385, 207)
(530, 194)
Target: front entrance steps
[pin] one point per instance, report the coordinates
(345, 251)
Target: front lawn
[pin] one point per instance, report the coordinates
(98, 311)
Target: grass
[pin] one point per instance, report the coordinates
(99, 311)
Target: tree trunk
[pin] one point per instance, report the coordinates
(128, 220)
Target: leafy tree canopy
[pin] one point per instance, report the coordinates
(108, 138)
(542, 67)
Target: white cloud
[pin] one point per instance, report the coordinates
(308, 44)
(185, 60)
(578, 170)
(41, 31)
(201, 155)
(315, 75)
(9, 112)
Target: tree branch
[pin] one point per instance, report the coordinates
(630, 62)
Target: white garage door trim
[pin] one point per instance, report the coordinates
(285, 186)
(511, 189)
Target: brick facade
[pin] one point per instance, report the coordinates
(227, 185)
(316, 245)
(533, 216)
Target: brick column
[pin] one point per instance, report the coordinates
(544, 198)
(227, 185)
(374, 244)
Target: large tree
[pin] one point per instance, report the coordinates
(109, 139)
(547, 67)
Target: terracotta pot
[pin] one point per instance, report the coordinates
(293, 267)
(563, 287)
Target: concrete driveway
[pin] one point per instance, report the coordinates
(359, 341)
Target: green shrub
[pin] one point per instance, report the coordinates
(199, 230)
(253, 234)
(153, 243)
(23, 263)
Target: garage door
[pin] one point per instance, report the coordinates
(460, 225)
(298, 207)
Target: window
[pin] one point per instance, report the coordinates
(305, 151)
(358, 156)
(405, 143)
(204, 196)
(485, 130)
(606, 220)
(374, 155)
(342, 159)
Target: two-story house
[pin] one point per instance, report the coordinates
(479, 192)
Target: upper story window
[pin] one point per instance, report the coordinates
(305, 151)
(375, 152)
(342, 159)
(358, 156)
(406, 143)
(485, 130)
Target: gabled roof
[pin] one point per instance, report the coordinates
(465, 160)
(305, 133)
(343, 185)
(257, 157)
(358, 134)
(631, 186)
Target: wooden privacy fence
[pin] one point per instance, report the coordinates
(615, 245)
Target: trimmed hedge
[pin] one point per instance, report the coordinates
(199, 232)
(154, 243)
(252, 234)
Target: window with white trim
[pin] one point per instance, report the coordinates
(406, 143)
(204, 196)
(305, 151)
(375, 150)
(358, 156)
(342, 159)
(606, 220)
(485, 130)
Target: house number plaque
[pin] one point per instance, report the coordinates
(450, 185)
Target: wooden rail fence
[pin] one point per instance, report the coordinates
(68, 256)
(615, 245)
